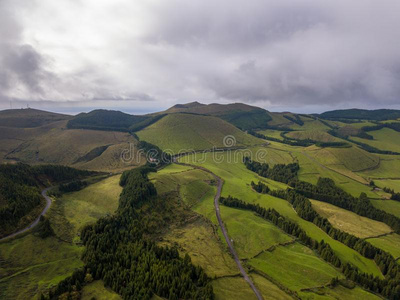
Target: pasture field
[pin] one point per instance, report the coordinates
(70, 213)
(388, 168)
(389, 243)
(339, 292)
(314, 134)
(310, 124)
(97, 291)
(30, 265)
(390, 206)
(384, 139)
(237, 183)
(185, 132)
(389, 183)
(268, 289)
(272, 133)
(200, 240)
(295, 266)
(234, 288)
(250, 233)
(350, 222)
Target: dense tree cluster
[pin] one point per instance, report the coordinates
(73, 186)
(279, 172)
(260, 187)
(120, 251)
(388, 287)
(20, 192)
(295, 119)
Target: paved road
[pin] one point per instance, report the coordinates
(48, 203)
(224, 231)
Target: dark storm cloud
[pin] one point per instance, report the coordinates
(273, 53)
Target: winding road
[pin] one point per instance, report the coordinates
(224, 231)
(48, 203)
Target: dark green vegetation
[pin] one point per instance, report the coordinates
(362, 114)
(20, 198)
(119, 252)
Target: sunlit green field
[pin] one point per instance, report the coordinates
(389, 243)
(237, 183)
(338, 292)
(384, 139)
(96, 290)
(295, 266)
(350, 222)
(390, 206)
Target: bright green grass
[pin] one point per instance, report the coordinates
(267, 289)
(237, 179)
(339, 292)
(384, 139)
(30, 265)
(361, 124)
(232, 288)
(186, 132)
(97, 290)
(295, 266)
(272, 133)
(193, 192)
(390, 206)
(250, 233)
(392, 184)
(389, 243)
(388, 168)
(310, 124)
(316, 135)
(203, 244)
(73, 211)
(350, 222)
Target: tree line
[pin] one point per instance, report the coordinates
(120, 251)
(388, 287)
(395, 196)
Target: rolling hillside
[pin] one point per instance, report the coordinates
(187, 132)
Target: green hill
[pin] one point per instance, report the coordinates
(362, 114)
(241, 115)
(29, 118)
(186, 132)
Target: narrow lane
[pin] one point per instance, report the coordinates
(48, 203)
(224, 231)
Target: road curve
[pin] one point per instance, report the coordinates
(48, 203)
(224, 231)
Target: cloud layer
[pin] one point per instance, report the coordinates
(279, 54)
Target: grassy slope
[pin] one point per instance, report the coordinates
(389, 243)
(295, 266)
(390, 206)
(316, 135)
(97, 290)
(185, 132)
(237, 183)
(384, 139)
(72, 211)
(350, 222)
(339, 292)
(31, 264)
(388, 168)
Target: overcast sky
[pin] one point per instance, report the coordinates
(146, 55)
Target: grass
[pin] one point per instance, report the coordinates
(232, 288)
(30, 265)
(200, 240)
(272, 133)
(389, 243)
(97, 290)
(350, 222)
(388, 168)
(310, 124)
(339, 292)
(256, 236)
(72, 211)
(237, 183)
(316, 135)
(389, 183)
(390, 206)
(186, 132)
(267, 289)
(295, 266)
(384, 139)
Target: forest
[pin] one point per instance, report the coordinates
(120, 251)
